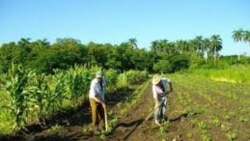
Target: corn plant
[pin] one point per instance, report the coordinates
(76, 84)
(40, 94)
(111, 78)
(55, 94)
(16, 84)
(87, 76)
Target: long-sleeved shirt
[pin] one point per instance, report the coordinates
(159, 92)
(96, 90)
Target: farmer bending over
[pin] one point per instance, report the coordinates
(159, 89)
(97, 101)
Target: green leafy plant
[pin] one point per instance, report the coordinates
(202, 125)
(231, 136)
(16, 84)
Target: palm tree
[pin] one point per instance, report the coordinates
(206, 48)
(191, 47)
(238, 36)
(199, 45)
(44, 43)
(216, 45)
(133, 42)
(164, 46)
(171, 48)
(24, 42)
(181, 46)
(155, 46)
(246, 36)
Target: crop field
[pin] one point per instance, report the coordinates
(199, 109)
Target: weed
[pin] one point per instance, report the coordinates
(216, 122)
(55, 128)
(190, 135)
(123, 111)
(227, 117)
(119, 105)
(206, 138)
(203, 126)
(243, 119)
(163, 128)
(231, 136)
(103, 135)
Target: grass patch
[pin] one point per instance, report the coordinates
(233, 74)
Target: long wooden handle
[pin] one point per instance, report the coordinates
(154, 110)
(106, 119)
(152, 113)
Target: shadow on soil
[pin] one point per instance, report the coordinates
(79, 116)
(184, 115)
(133, 124)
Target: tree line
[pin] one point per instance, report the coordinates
(162, 55)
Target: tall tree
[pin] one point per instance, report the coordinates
(181, 46)
(133, 42)
(9, 54)
(216, 45)
(155, 47)
(206, 48)
(237, 37)
(25, 46)
(66, 53)
(199, 48)
(246, 36)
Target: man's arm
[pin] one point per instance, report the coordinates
(97, 92)
(99, 99)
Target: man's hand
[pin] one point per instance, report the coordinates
(104, 105)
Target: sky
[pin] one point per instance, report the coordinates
(116, 21)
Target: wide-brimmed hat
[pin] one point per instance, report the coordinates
(156, 79)
(98, 74)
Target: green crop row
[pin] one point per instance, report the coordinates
(29, 97)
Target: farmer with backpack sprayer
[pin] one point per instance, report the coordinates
(160, 91)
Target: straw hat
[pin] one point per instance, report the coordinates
(156, 79)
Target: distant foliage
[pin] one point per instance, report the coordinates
(162, 66)
(136, 77)
(163, 56)
(172, 64)
(179, 62)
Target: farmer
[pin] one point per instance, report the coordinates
(159, 89)
(97, 101)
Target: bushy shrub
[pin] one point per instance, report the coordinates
(136, 77)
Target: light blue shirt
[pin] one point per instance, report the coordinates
(96, 90)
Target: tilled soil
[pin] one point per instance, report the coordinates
(131, 126)
(74, 125)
